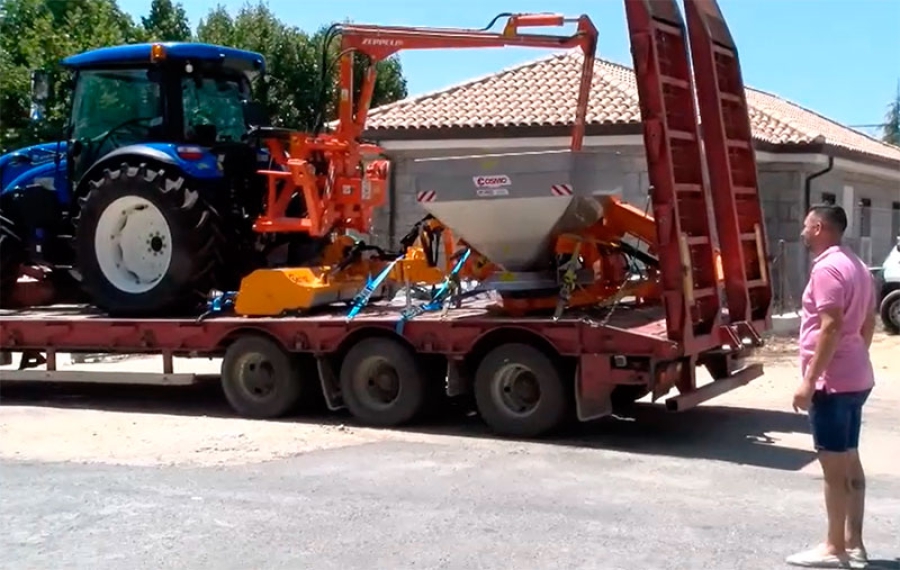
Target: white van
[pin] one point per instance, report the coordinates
(888, 282)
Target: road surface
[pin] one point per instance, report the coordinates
(110, 478)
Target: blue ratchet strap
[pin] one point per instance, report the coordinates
(219, 302)
(437, 300)
(362, 298)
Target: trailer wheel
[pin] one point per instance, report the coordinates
(519, 391)
(382, 383)
(260, 379)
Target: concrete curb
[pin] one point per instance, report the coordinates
(786, 324)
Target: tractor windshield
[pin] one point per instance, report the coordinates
(214, 101)
(111, 106)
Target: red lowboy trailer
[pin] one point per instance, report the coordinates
(527, 374)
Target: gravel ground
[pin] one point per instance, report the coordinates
(110, 477)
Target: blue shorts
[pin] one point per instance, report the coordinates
(836, 419)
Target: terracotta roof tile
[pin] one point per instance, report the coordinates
(543, 93)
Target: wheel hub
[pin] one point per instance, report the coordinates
(133, 244)
(517, 389)
(257, 376)
(378, 382)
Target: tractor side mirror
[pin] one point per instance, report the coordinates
(40, 92)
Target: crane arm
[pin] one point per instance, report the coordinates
(381, 42)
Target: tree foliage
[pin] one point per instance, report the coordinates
(294, 94)
(891, 129)
(38, 34)
(167, 22)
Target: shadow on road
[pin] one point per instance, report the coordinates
(732, 434)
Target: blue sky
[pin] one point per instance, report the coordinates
(840, 58)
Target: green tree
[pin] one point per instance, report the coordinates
(294, 95)
(390, 85)
(891, 129)
(166, 22)
(38, 34)
(287, 93)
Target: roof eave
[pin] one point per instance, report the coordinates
(496, 132)
(828, 149)
(500, 132)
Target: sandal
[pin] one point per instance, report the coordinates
(818, 558)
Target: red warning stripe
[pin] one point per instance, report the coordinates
(561, 190)
(426, 196)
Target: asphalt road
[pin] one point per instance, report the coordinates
(659, 493)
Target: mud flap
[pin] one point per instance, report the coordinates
(331, 387)
(592, 390)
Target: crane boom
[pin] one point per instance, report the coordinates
(381, 42)
(326, 169)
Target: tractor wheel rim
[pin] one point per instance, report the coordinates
(894, 313)
(133, 244)
(517, 389)
(377, 383)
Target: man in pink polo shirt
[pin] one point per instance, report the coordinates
(836, 329)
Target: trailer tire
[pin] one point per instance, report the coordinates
(260, 379)
(890, 312)
(382, 383)
(12, 256)
(497, 383)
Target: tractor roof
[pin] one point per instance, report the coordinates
(247, 62)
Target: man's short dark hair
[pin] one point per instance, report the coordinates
(832, 214)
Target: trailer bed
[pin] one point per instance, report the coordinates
(76, 328)
(599, 352)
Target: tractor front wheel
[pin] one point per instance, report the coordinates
(146, 243)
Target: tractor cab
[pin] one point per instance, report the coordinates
(162, 93)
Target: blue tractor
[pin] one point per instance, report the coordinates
(147, 201)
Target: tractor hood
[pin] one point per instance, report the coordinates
(22, 166)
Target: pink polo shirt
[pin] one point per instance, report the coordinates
(839, 279)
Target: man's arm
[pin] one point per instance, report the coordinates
(828, 290)
(868, 327)
(832, 318)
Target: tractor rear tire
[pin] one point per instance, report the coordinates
(12, 256)
(166, 262)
